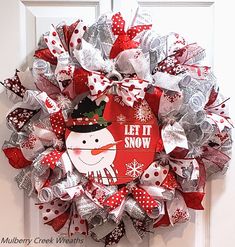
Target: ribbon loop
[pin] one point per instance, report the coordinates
(129, 89)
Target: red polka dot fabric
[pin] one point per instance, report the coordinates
(124, 40)
(115, 200)
(118, 24)
(78, 225)
(63, 215)
(144, 199)
(58, 124)
(52, 158)
(140, 195)
(133, 31)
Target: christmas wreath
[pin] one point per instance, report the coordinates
(116, 128)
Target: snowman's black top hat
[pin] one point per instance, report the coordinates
(87, 117)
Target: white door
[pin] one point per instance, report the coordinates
(207, 22)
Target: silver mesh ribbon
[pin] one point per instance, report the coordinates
(86, 208)
(45, 195)
(103, 230)
(134, 210)
(23, 180)
(59, 189)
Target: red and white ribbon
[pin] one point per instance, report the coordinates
(124, 40)
(130, 90)
(140, 195)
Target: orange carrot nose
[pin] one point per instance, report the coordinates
(103, 149)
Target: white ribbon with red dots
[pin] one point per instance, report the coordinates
(55, 44)
(130, 89)
(63, 216)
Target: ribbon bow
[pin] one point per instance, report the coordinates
(130, 90)
(124, 40)
(140, 195)
(64, 218)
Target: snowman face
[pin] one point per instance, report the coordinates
(92, 152)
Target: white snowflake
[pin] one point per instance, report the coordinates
(143, 112)
(14, 119)
(30, 142)
(134, 169)
(116, 233)
(178, 68)
(25, 114)
(16, 88)
(179, 216)
(63, 102)
(170, 61)
(121, 118)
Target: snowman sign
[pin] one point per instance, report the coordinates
(111, 143)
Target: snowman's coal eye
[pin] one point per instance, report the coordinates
(84, 142)
(96, 140)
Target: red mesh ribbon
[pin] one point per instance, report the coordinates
(124, 40)
(215, 156)
(46, 55)
(78, 84)
(193, 199)
(16, 157)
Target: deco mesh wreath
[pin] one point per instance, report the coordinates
(116, 129)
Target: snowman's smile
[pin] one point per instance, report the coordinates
(90, 164)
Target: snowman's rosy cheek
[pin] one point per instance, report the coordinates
(77, 151)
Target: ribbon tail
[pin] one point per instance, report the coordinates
(131, 232)
(174, 136)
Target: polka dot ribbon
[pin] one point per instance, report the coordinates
(73, 38)
(52, 158)
(58, 124)
(56, 116)
(140, 195)
(54, 43)
(129, 89)
(157, 175)
(124, 40)
(63, 217)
